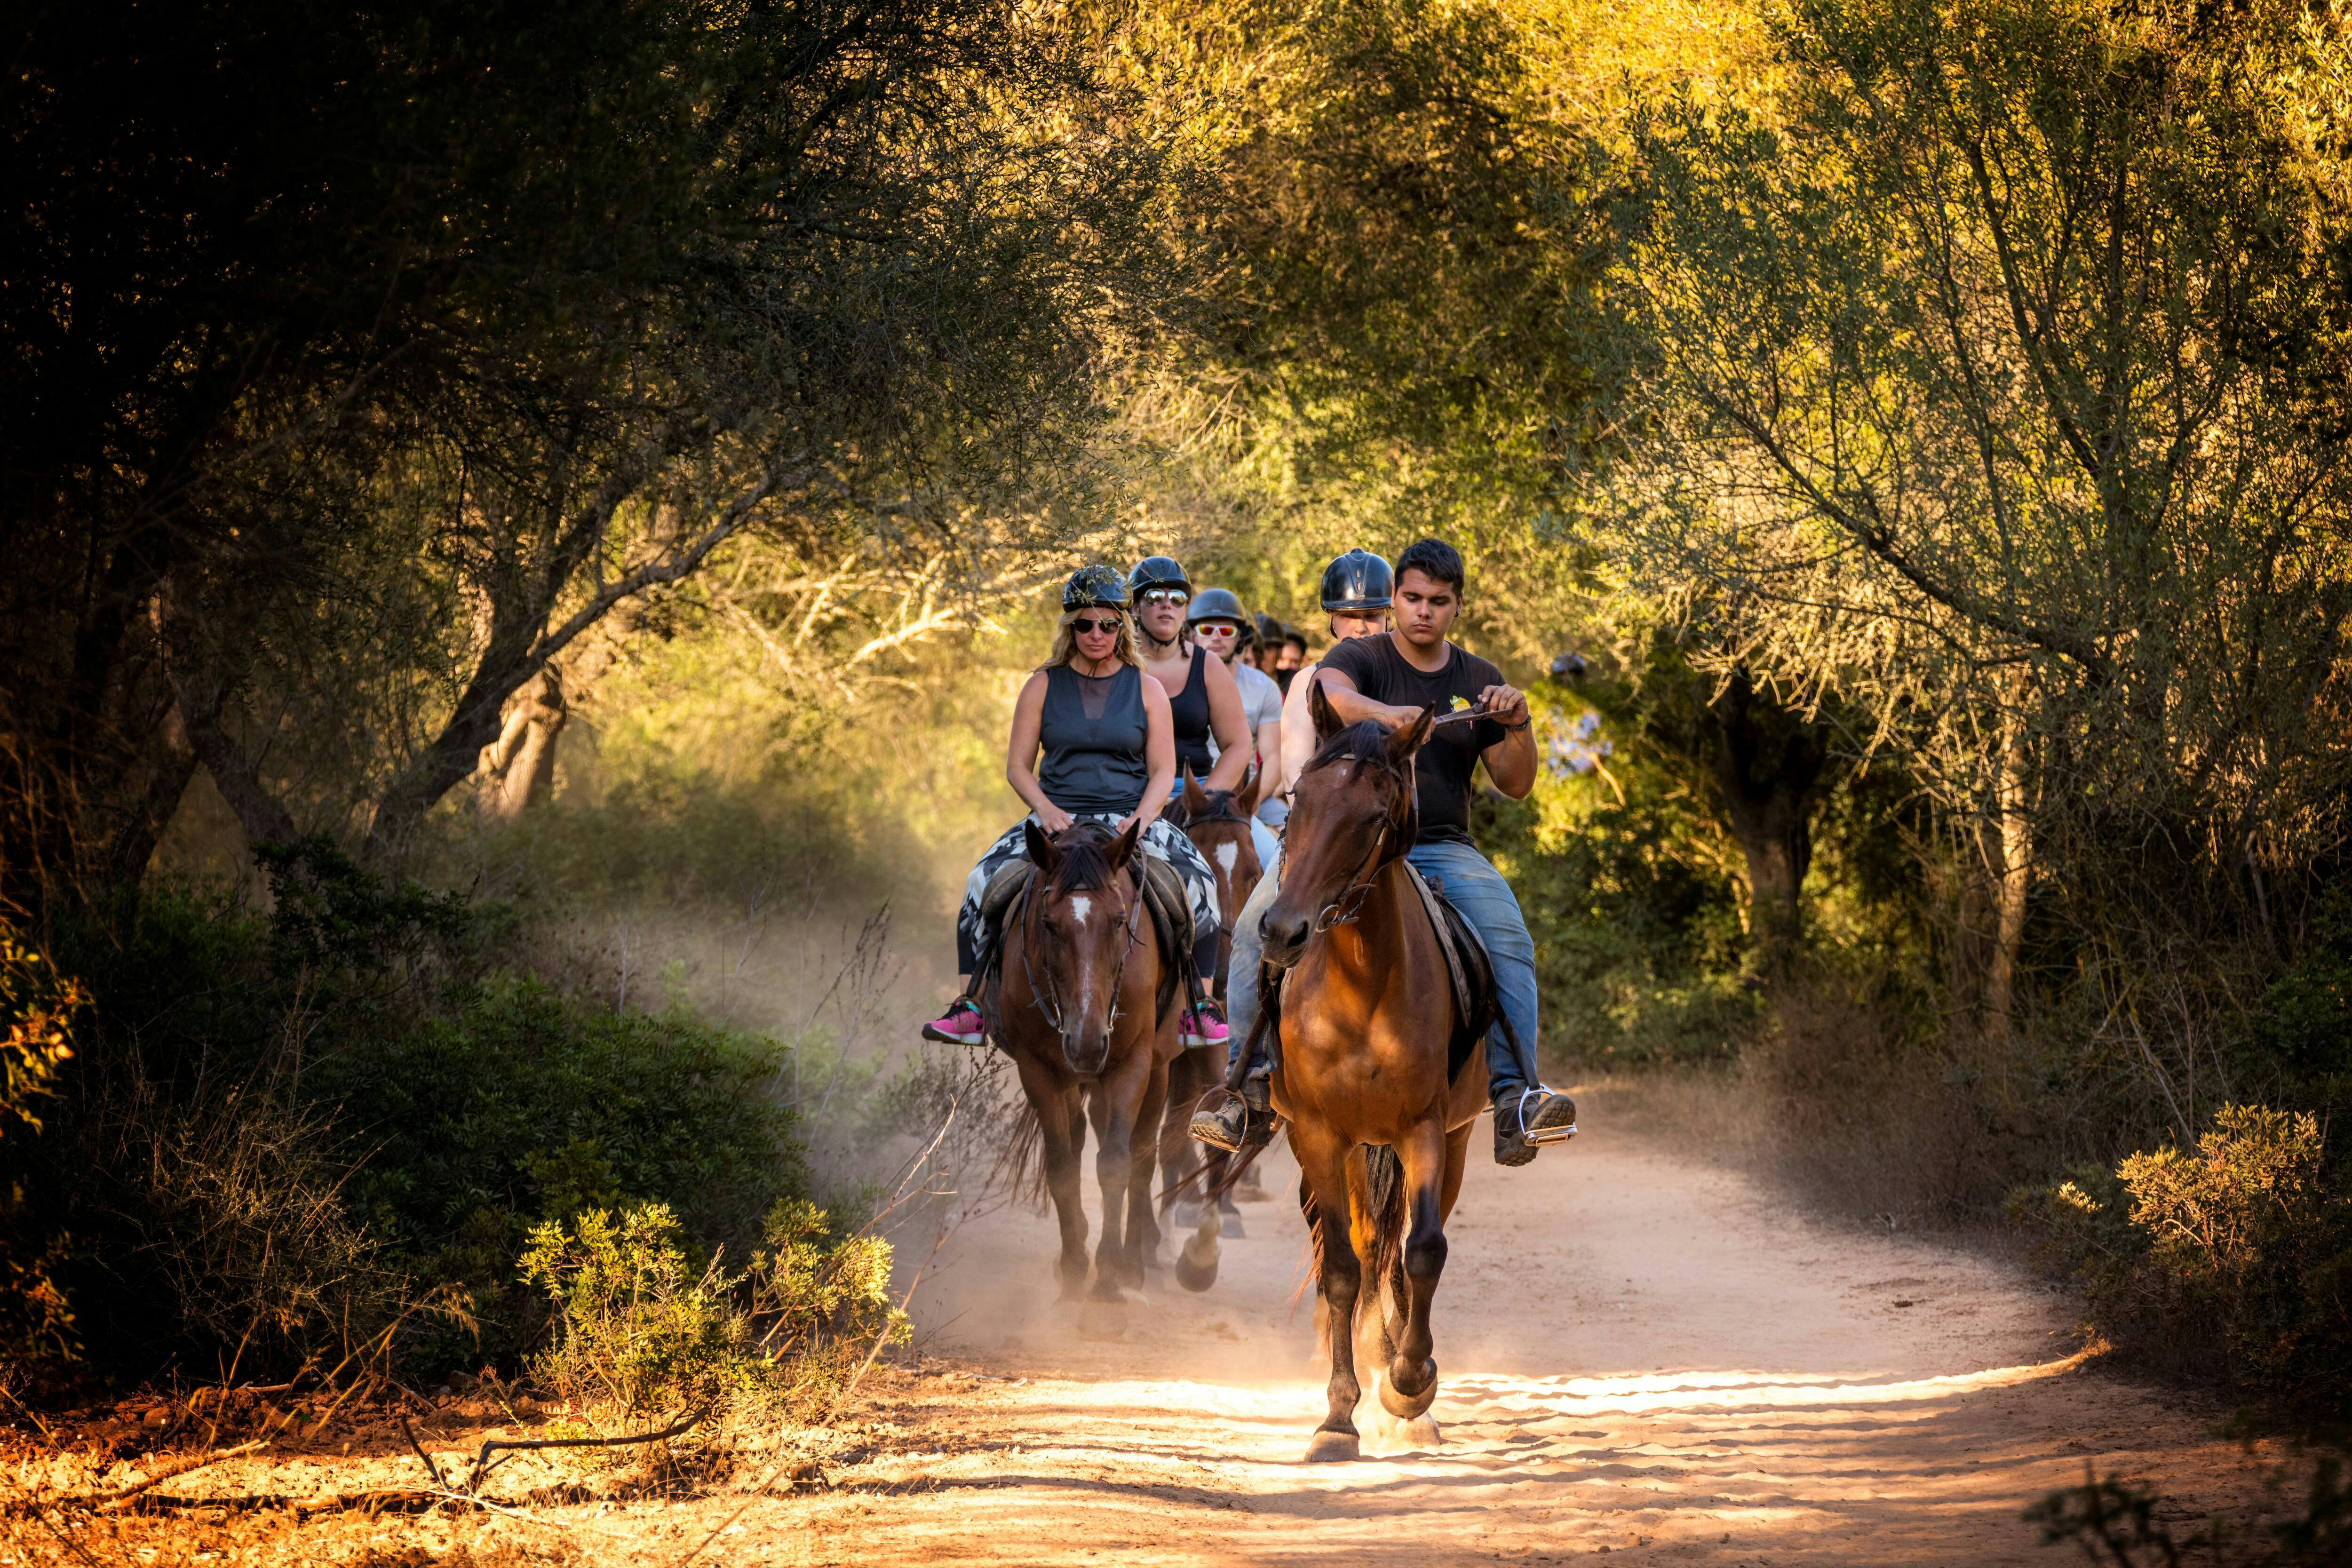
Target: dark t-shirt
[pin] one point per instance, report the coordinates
(1445, 764)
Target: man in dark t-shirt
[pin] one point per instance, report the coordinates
(1393, 678)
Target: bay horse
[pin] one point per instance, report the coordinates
(1085, 1003)
(1218, 824)
(1370, 1075)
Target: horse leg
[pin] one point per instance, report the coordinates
(1063, 1133)
(1142, 1225)
(1412, 1381)
(1323, 1162)
(1113, 1114)
(1188, 1079)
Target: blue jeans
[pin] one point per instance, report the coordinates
(1486, 900)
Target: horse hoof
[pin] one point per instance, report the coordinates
(1232, 1228)
(1196, 1271)
(1185, 1215)
(1409, 1406)
(1330, 1447)
(1102, 1320)
(1420, 1432)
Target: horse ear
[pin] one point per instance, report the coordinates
(1246, 797)
(1124, 850)
(1042, 854)
(1405, 739)
(1195, 800)
(1327, 720)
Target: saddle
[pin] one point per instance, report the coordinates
(1163, 896)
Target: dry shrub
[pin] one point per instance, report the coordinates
(243, 1214)
(1865, 1119)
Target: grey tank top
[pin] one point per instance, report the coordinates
(1092, 734)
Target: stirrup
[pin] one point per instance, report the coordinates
(1556, 1132)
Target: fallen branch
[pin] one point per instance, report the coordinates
(176, 1469)
(423, 1458)
(483, 1465)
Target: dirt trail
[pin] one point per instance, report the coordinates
(1638, 1353)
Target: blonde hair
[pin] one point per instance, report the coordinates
(1065, 636)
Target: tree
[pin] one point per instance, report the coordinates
(390, 351)
(1995, 384)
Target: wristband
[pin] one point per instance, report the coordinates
(1515, 728)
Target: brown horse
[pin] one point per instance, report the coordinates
(1218, 823)
(1083, 1002)
(1371, 1075)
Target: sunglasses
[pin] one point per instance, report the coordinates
(1215, 629)
(1086, 626)
(1165, 596)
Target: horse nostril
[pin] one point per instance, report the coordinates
(1284, 934)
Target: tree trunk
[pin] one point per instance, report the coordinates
(2016, 828)
(518, 768)
(1766, 765)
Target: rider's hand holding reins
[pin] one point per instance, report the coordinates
(1507, 705)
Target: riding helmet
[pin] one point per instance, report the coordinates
(1359, 580)
(1269, 631)
(1216, 604)
(1091, 585)
(1156, 572)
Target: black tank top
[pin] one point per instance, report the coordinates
(1092, 730)
(1190, 710)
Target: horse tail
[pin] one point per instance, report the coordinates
(1385, 1220)
(1020, 1169)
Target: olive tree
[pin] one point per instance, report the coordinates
(1993, 383)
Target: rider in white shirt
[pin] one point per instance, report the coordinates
(1216, 621)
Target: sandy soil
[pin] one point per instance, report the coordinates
(1639, 1354)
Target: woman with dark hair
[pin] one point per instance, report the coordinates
(1202, 700)
(1091, 737)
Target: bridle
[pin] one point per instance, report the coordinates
(1349, 906)
(1049, 1003)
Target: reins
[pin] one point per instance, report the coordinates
(1349, 907)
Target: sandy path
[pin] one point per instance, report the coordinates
(1637, 1354)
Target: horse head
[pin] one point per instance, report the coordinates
(1351, 812)
(1218, 824)
(1081, 920)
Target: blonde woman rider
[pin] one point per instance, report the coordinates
(1091, 737)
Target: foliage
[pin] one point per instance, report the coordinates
(2232, 1263)
(641, 1338)
(408, 345)
(286, 1130)
(2118, 1523)
(38, 1008)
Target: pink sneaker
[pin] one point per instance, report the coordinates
(1204, 1028)
(963, 1026)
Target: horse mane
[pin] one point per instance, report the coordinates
(1220, 808)
(1085, 866)
(1362, 742)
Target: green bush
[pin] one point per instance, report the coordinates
(643, 1338)
(2234, 1263)
(284, 1130)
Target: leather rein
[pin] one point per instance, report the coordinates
(1349, 907)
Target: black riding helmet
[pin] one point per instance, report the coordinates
(1216, 604)
(1359, 580)
(1156, 572)
(1091, 585)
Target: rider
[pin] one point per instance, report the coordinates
(1109, 752)
(1217, 624)
(1201, 697)
(1392, 680)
